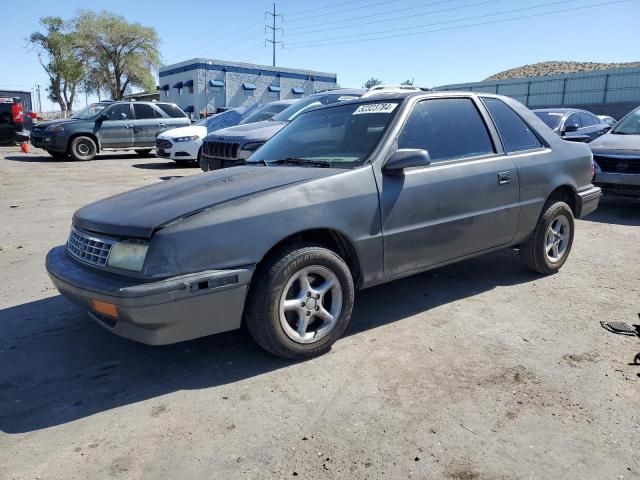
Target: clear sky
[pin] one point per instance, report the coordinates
(433, 42)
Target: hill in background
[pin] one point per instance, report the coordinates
(557, 68)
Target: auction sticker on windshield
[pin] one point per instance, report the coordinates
(376, 108)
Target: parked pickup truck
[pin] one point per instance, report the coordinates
(346, 196)
(107, 125)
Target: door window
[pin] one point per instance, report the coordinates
(143, 111)
(448, 128)
(121, 111)
(516, 135)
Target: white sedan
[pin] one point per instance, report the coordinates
(184, 144)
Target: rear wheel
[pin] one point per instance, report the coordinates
(143, 152)
(301, 301)
(83, 148)
(548, 247)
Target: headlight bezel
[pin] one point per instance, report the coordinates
(55, 128)
(186, 138)
(249, 149)
(128, 255)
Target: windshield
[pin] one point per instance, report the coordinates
(342, 136)
(265, 113)
(629, 125)
(312, 101)
(552, 119)
(87, 113)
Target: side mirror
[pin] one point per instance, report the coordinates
(406, 158)
(103, 117)
(571, 128)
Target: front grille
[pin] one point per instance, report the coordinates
(88, 248)
(617, 165)
(221, 150)
(164, 144)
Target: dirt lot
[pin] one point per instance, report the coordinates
(479, 370)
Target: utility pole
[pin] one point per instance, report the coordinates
(273, 29)
(39, 98)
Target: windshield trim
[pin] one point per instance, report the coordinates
(106, 105)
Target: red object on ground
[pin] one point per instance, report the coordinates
(24, 146)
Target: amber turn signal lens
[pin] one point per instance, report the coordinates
(108, 309)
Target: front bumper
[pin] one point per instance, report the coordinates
(588, 201)
(159, 312)
(48, 141)
(627, 184)
(179, 151)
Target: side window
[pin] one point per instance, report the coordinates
(121, 111)
(573, 119)
(448, 128)
(143, 111)
(171, 110)
(516, 135)
(587, 120)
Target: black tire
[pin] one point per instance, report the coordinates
(534, 252)
(83, 149)
(262, 313)
(58, 155)
(143, 152)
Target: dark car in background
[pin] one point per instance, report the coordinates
(108, 125)
(617, 157)
(229, 146)
(572, 123)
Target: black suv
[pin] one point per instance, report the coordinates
(108, 125)
(11, 120)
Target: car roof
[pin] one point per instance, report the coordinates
(342, 91)
(560, 110)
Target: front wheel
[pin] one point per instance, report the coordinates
(548, 247)
(83, 148)
(301, 301)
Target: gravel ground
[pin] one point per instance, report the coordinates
(478, 370)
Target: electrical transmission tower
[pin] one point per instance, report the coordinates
(273, 29)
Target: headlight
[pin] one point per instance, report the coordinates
(128, 255)
(186, 139)
(54, 128)
(248, 149)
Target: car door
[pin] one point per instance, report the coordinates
(145, 125)
(115, 126)
(466, 201)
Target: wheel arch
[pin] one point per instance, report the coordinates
(565, 193)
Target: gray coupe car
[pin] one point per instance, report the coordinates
(346, 196)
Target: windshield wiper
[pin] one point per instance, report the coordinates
(618, 132)
(302, 161)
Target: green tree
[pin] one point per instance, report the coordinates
(119, 54)
(407, 82)
(58, 55)
(372, 82)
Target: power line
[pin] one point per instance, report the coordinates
(404, 17)
(474, 17)
(300, 12)
(368, 39)
(362, 17)
(370, 5)
(273, 29)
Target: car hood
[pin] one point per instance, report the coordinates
(612, 141)
(138, 213)
(251, 132)
(199, 130)
(43, 125)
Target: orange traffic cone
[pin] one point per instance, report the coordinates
(24, 146)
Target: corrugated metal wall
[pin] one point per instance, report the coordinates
(601, 87)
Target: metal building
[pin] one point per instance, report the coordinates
(204, 85)
(25, 97)
(604, 92)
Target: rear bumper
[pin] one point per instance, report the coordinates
(156, 313)
(588, 201)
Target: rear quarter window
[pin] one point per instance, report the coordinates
(171, 110)
(514, 132)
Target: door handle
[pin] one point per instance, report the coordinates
(162, 124)
(504, 177)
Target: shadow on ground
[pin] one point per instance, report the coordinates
(162, 165)
(618, 210)
(58, 366)
(46, 158)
